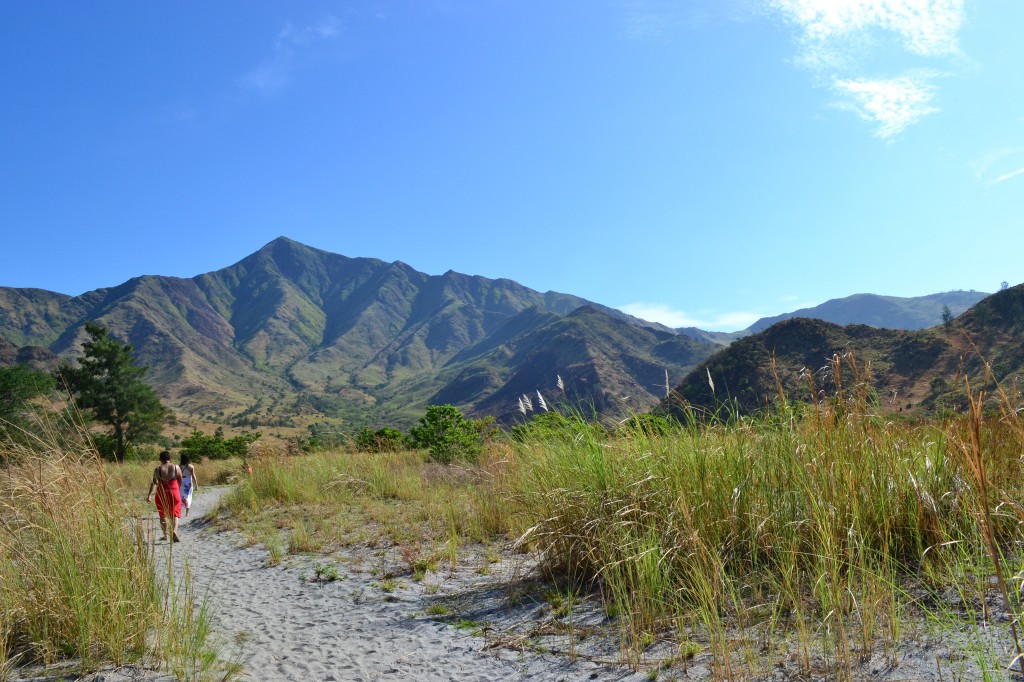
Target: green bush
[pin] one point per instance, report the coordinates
(199, 445)
(382, 440)
(323, 436)
(647, 425)
(106, 445)
(547, 426)
(448, 435)
(20, 388)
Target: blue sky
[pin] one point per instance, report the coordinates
(702, 163)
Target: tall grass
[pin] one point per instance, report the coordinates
(78, 577)
(345, 498)
(818, 537)
(818, 528)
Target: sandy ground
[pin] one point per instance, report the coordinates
(285, 624)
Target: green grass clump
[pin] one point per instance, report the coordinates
(398, 497)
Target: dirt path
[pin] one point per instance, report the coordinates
(287, 626)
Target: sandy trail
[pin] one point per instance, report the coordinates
(286, 626)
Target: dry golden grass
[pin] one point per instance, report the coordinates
(78, 573)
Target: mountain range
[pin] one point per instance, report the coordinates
(920, 371)
(292, 335)
(891, 312)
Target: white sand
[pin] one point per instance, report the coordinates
(289, 627)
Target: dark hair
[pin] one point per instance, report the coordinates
(185, 460)
(165, 456)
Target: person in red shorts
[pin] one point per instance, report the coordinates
(167, 485)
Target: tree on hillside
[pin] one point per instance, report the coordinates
(107, 385)
(198, 445)
(947, 315)
(448, 434)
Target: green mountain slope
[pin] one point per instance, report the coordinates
(606, 365)
(291, 335)
(37, 317)
(292, 330)
(916, 370)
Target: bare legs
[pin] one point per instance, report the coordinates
(173, 523)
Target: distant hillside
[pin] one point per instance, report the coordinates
(606, 365)
(889, 312)
(717, 338)
(907, 370)
(292, 332)
(34, 356)
(8, 353)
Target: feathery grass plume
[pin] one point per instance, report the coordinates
(527, 403)
(668, 389)
(522, 405)
(711, 383)
(540, 400)
(561, 386)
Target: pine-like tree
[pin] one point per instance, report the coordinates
(107, 385)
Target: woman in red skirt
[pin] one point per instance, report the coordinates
(166, 483)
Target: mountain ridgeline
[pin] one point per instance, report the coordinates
(890, 312)
(918, 371)
(294, 331)
(292, 335)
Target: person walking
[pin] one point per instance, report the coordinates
(166, 484)
(188, 481)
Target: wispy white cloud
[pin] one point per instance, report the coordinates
(837, 36)
(1006, 176)
(890, 104)
(658, 312)
(926, 27)
(275, 71)
(999, 165)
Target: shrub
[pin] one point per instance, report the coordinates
(323, 436)
(547, 426)
(382, 440)
(199, 445)
(20, 388)
(647, 425)
(448, 435)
